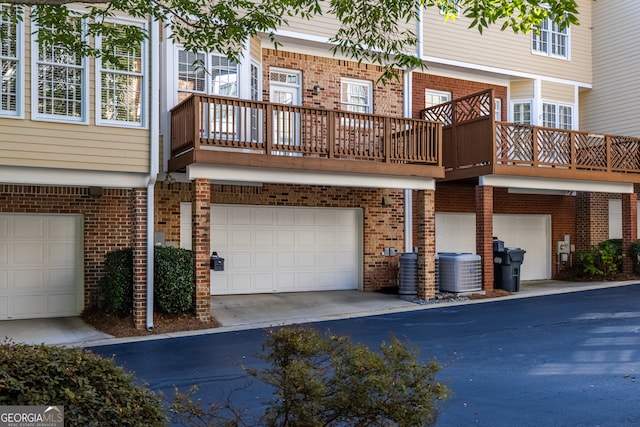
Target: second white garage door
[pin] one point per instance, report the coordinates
(455, 232)
(285, 249)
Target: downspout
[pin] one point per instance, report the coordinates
(154, 130)
(408, 112)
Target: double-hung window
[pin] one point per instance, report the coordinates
(555, 115)
(60, 82)
(550, 40)
(121, 84)
(521, 112)
(208, 73)
(356, 95)
(10, 62)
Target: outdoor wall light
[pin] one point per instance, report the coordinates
(316, 90)
(386, 201)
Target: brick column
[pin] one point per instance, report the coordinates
(484, 233)
(139, 245)
(201, 246)
(426, 239)
(629, 229)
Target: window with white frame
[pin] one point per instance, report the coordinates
(60, 82)
(435, 97)
(521, 112)
(121, 83)
(211, 73)
(10, 61)
(550, 40)
(356, 95)
(556, 115)
(497, 107)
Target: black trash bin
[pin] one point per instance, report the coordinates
(506, 268)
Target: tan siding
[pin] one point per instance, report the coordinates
(558, 92)
(27, 142)
(255, 48)
(521, 90)
(612, 105)
(453, 41)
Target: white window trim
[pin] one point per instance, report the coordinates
(548, 53)
(207, 65)
(143, 124)
(84, 119)
(497, 106)
(441, 93)
(561, 104)
(20, 83)
(512, 104)
(361, 82)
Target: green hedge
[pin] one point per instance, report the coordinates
(93, 391)
(174, 279)
(117, 283)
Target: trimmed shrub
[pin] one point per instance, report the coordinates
(117, 283)
(93, 391)
(174, 279)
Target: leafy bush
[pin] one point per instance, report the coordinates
(117, 283)
(174, 279)
(328, 381)
(602, 260)
(635, 253)
(93, 391)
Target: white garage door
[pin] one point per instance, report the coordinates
(40, 266)
(285, 249)
(456, 232)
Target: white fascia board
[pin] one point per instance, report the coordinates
(253, 176)
(503, 71)
(72, 178)
(549, 184)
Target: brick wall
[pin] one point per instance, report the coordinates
(459, 197)
(326, 73)
(382, 227)
(108, 220)
(457, 87)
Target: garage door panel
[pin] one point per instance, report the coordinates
(4, 309)
(241, 238)
(238, 216)
(28, 280)
(28, 254)
(60, 304)
(291, 248)
(26, 306)
(61, 278)
(29, 227)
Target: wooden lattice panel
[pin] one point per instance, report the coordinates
(554, 147)
(438, 113)
(472, 107)
(514, 144)
(625, 153)
(591, 151)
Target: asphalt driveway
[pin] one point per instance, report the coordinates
(559, 360)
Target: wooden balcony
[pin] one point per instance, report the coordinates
(231, 131)
(475, 144)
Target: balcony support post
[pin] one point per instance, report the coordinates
(629, 229)
(426, 240)
(201, 245)
(484, 233)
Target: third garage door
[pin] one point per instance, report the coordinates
(285, 249)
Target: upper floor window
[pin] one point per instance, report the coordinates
(60, 82)
(435, 97)
(521, 111)
(212, 73)
(121, 83)
(550, 40)
(556, 115)
(497, 106)
(356, 95)
(10, 62)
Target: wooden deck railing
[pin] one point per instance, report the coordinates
(472, 138)
(230, 124)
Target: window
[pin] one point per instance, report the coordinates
(9, 63)
(213, 74)
(550, 40)
(121, 83)
(556, 115)
(435, 97)
(522, 112)
(356, 95)
(60, 82)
